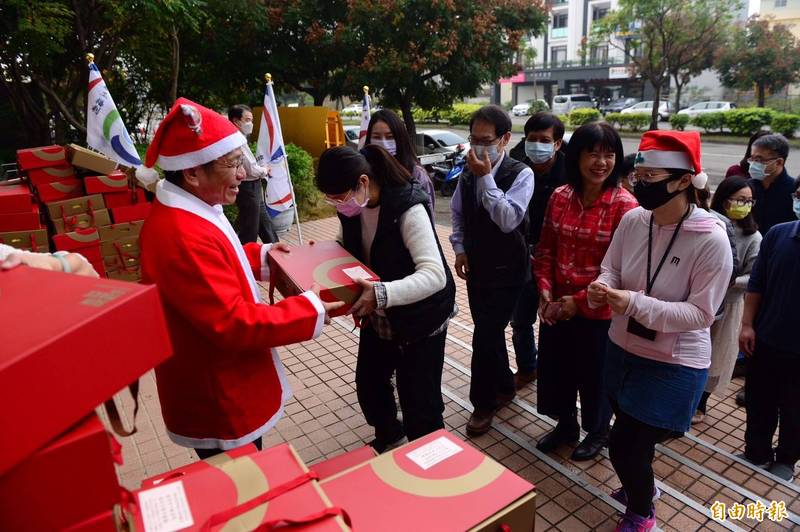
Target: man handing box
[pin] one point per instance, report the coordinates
(224, 387)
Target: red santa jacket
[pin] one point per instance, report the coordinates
(225, 385)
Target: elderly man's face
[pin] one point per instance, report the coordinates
(217, 182)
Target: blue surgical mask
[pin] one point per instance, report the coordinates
(481, 150)
(796, 207)
(758, 170)
(539, 152)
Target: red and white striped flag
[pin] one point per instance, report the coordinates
(270, 153)
(365, 116)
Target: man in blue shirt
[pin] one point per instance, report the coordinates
(772, 185)
(769, 340)
(489, 213)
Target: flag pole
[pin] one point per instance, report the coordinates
(268, 78)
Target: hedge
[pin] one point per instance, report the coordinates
(679, 122)
(579, 117)
(747, 121)
(538, 106)
(461, 113)
(710, 121)
(785, 124)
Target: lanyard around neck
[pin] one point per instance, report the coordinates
(652, 280)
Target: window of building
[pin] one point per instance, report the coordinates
(598, 54)
(780, 3)
(558, 55)
(631, 50)
(599, 12)
(560, 21)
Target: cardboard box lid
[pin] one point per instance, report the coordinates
(74, 206)
(121, 230)
(447, 483)
(213, 486)
(91, 160)
(81, 340)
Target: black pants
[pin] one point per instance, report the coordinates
(253, 220)
(208, 453)
(631, 448)
(522, 327)
(418, 366)
(491, 310)
(772, 388)
(571, 359)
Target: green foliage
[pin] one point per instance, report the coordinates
(537, 106)
(785, 124)
(427, 115)
(460, 113)
(615, 119)
(710, 121)
(635, 121)
(679, 122)
(761, 54)
(747, 121)
(579, 117)
(301, 169)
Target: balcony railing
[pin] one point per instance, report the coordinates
(577, 63)
(558, 33)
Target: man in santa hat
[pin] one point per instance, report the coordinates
(225, 385)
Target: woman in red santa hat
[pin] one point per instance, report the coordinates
(664, 276)
(224, 386)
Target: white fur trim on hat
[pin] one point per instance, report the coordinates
(202, 156)
(664, 159)
(146, 176)
(699, 180)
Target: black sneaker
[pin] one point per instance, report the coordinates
(558, 436)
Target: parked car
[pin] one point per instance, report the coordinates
(616, 106)
(707, 107)
(440, 141)
(354, 109)
(523, 109)
(646, 107)
(566, 103)
(351, 135)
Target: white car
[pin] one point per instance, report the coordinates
(439, 141)
(523, 109)
(351, 135)
(646, 107)
(707, 107)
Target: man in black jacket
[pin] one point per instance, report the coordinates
(541, 150)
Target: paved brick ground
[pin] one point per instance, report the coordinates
(323, 419)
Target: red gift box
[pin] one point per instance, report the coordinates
(121, 199)
(75, 206)
(326, 264)
(131, 213)
(67, 224)
(35, 240)
(82, 340)
(104, 522)
(83, 241)
(50, 174)
(437, 480)
(182, 471)
(15, 198)
(41, 157)
(117, 231)
(233, 494)
(21, 221)
(60, 190)
(100, 184)
(68, 481)
(337, 464)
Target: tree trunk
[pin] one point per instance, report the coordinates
(656, 103)
(319, 98)
(678, 90)
(408, 119)
(761, 93)
(176, 66)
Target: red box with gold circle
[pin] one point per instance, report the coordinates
(41, 157)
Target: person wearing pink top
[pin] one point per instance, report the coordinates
(665, 275)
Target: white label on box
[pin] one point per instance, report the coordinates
(434, 452)
(165, 508)
(357, 272)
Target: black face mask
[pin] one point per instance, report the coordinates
(653, 195)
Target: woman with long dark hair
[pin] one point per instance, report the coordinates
(734, 200)
(580, 220)
(389, 132)
(386, 224)
(664, 276)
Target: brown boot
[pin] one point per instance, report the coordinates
(505, 399)
(480, 422)
(524, 378)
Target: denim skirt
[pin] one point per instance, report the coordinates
(659, 394)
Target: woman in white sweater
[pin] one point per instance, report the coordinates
(387, 224)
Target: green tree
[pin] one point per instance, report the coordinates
(761, 55)
(671, 38)
(430, 53)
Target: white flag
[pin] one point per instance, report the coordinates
(270, 153)
(365, 116)
(105, 131)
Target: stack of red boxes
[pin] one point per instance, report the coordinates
(119, 247)
(20, 223)
(70, 349)
(49, 173)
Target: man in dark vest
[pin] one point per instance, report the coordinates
(490, 230)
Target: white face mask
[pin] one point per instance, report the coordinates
(387, 144)
(246, 128)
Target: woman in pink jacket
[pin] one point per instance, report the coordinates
(664, 276)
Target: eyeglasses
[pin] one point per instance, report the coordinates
(743, 202)
(481, 142)
(752, 160)
(646, 179)
(235, 163)
(334, 201)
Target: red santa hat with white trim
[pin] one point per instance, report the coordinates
(190, 135)
(673, 149)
